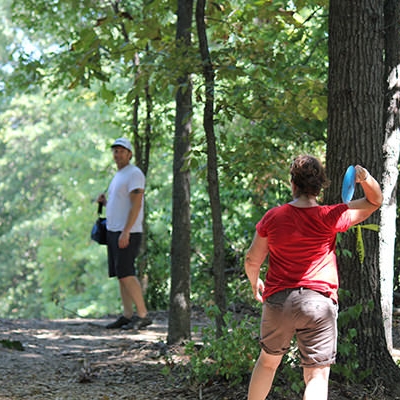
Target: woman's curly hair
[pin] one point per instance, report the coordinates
(308, 175)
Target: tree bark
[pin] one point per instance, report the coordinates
(212, 169)
(355, 136)
(179, 313)
(142, 145)
(391, 147)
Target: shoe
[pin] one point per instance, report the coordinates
(121, 321)
(131, 324)
(143, 322)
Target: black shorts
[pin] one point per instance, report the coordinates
(121, 262)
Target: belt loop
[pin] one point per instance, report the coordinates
(301, 290)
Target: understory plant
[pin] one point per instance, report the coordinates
(229, 357)
(348, 368)
(232, 356)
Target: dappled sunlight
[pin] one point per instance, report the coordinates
(48, 358)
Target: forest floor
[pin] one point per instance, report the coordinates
(78, 359)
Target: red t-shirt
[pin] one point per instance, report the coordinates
(301, 243)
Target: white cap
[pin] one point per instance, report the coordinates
(123, 143)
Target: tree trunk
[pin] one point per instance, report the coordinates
(391, 148)
(355, 136)
(142, 145)
(179, 313)
(212, 169)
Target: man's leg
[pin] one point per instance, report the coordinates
(316, 380)
(263, 376)
(131, 291)
(126, 318)
(127, 301)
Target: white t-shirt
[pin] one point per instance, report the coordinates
(124, 182)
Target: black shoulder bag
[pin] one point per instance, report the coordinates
(99, 230)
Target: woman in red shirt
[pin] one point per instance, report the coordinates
(299, 294)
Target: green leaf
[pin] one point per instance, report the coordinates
(12, 344)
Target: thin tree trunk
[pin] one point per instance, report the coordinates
(179, 314)
(212, 169)
(142, 145)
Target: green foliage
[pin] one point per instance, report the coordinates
(289, 371)
(348, 350)
(348, 368)
(270, 59)
(12, 344)
(158, 255)
(359, 238)
(49, 186)
(230, 357)
(340, 250)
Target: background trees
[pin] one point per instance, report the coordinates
(81, 73)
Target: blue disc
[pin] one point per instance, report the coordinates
(348, 184)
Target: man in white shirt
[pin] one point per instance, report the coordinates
(124, 212)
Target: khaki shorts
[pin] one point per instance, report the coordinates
(306, 314)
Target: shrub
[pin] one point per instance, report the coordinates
(231, 356)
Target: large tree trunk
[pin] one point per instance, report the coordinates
(355, 136)
(391, 149)
(212, 169)
(179, 313)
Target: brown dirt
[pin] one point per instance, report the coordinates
(77, 359)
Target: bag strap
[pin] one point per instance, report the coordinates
(100, 206)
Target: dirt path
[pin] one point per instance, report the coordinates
(77, 359)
